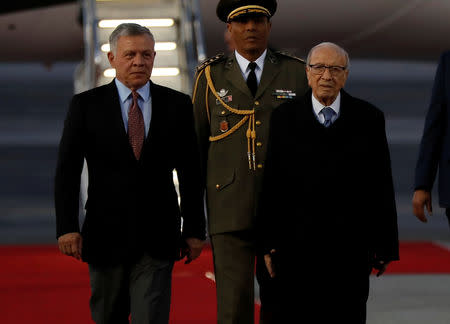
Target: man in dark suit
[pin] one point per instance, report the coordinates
(435, 146)
(327, 207)
(133, 134)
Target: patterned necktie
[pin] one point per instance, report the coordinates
(136, 128)
(328, 113)
(251, 79)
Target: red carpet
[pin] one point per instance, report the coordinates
(39, 285)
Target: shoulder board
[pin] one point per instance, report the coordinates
(209, 61)
(283, 53)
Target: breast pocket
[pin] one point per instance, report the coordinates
(223, 121)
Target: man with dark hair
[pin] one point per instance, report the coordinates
(234, 97)
(127, 131)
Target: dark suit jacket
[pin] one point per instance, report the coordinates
(328, 192)
(132, 205)
(327, 207)
(435, 144)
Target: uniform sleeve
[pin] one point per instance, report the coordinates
(68, 171)
(189, 174)
(433, 133)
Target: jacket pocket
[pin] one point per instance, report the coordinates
(221, 181)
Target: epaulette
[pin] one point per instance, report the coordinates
(209, 61)
(290, 55)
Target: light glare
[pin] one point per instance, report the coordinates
(113, 23)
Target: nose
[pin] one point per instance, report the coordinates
(138, 60)
(327, 74)
(250, 25)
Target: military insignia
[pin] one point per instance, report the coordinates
(223, 126)
(290, 56)
(222, 93)
(225, 99)
(284, 94)
(210, 61)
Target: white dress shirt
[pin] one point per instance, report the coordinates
(317, 107)
(243, 65)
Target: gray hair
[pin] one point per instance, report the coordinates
(127, 29)
(338, 49)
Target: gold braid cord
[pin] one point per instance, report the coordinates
(248, 115)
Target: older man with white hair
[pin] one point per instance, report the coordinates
(327, 209)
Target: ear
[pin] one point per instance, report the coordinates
(308, 76)
(111, 58)
(346, 75)
(229, 27)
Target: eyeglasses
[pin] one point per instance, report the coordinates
(319, 69)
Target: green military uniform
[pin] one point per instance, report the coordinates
(232, 128)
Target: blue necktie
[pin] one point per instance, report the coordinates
(328, 113)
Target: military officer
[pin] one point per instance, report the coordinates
(233, 99)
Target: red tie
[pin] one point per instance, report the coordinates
(136, 128)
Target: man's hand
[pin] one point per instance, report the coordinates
(194, 248)
(381, 266)
(269, 263)
(70, 244)
(422, 199)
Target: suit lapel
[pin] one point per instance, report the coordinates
(270, 71)
(157, 109)
(346, 105)
(112, 104)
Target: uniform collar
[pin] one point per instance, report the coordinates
(243, 62)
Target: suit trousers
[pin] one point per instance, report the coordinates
(234, 267)
(142, 289)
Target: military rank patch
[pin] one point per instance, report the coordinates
(284, 94)
(223, 126)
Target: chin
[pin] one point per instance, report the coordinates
(138, 82)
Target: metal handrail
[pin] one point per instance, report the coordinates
(90, 42)
(194, 32)
(198, 31)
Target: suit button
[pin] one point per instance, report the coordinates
(258, 144)
(259, 166)
(258, 122)
(217, 186)
(256, 103)
(223, 112)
